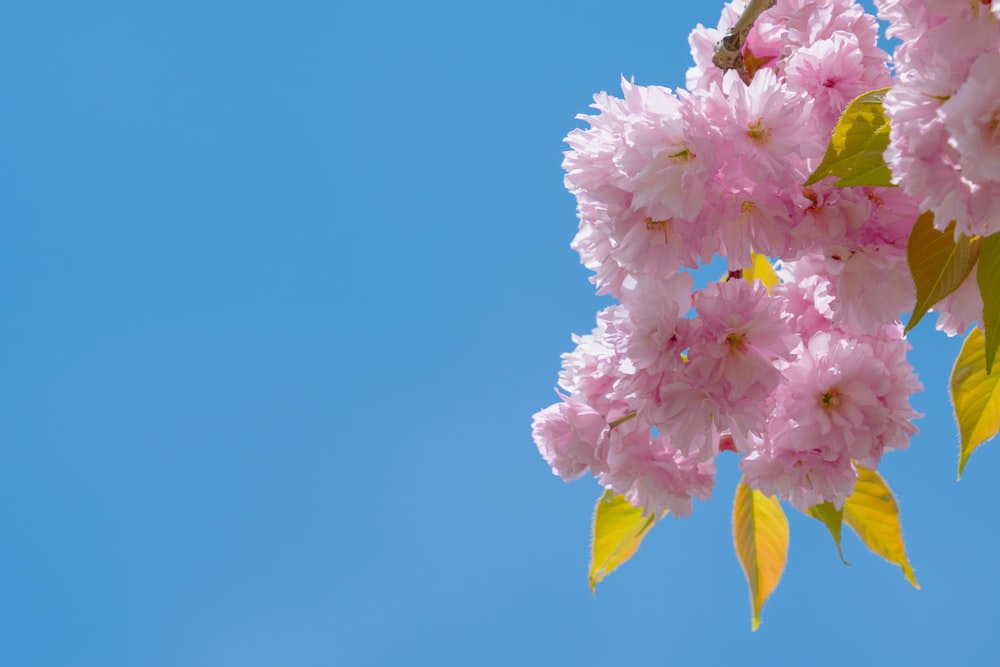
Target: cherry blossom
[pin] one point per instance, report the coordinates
(806, 380)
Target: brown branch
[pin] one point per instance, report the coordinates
(728, 53)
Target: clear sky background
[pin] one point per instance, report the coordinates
(282, 284)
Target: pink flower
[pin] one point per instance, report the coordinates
(922, 162)
(591, 371)
(873, 286)
(862, 236)
(943, 112)
(811, 21)
(832, 72)
(657, 334)
(766, 127)
(907, 19)
(666, 164)
(735, 345)
(960, 309)
(753, 219)
(651, 473)
(809, 379)
(846, 398)
(831, 401)
(890, 347)
(652, 249)
(826, 215)
(568, 435)
(804, 477)
(808, 294)
(594, 244)
(972, 116)
(689, 414)
(742, 332)
(638, 174)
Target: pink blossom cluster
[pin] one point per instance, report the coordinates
(804, 381)
(945, 109)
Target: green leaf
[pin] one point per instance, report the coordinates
(761, 269)
(857, 144)
(618, 530)
(833, 519)
(760, 534)
(871, 511)
(988, 275)
(976, 397)
(939, 265)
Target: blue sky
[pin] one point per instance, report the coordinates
(282, 285)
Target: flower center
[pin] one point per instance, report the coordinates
(993, 128)
(656, 224)
(683, 155)
(758, 132)
(830, 399)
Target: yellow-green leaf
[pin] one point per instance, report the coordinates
(939, 265)
(833, 519)
(872, 513)
(988, 275)
(618, 530)
(760, 534)
(761, 269)
(857, 144)
(976, 397)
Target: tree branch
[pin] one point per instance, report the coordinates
(728, 53)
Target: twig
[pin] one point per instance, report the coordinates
(728, 53)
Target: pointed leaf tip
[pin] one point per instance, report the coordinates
(618, 530)
(871, 511)
(975, 396)
(833, 519)
(760, 535)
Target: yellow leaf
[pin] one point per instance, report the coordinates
(872, 513)
(988, 277)
(976, 397)
(833, 519)
(939, 264)
(760, 534)
(618, 530)
(854, 154)
(761, 269)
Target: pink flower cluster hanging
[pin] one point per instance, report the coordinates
(809, 379)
